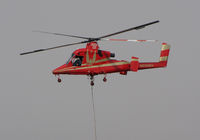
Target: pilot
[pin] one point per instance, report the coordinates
(76, 61)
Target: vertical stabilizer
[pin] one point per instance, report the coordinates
(164, 54)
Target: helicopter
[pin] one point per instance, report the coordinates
(92, 61)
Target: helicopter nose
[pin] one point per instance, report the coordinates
(59, 70)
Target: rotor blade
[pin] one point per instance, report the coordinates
(129, 40)
(133, 28)
(39, 50)
(62, 34)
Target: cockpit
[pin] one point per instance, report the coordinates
(76, 60)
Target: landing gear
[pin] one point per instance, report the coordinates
(92, 83)
(105, 79)
(59, 80)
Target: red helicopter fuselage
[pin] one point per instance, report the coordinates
(92, 61)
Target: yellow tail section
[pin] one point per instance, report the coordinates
(164, 52)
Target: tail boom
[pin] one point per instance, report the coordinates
(151, 65)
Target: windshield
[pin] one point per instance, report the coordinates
(70, 58)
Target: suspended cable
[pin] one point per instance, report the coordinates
(93, 109)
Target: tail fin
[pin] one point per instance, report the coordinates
(164, 54)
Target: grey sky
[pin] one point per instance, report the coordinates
(159, 104)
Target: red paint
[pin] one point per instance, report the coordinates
(164, 53)
(134, 64)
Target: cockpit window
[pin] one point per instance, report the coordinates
(70, 58)
(77, 60)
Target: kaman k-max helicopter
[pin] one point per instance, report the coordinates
(92, 61)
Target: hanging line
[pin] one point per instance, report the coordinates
(93, 109)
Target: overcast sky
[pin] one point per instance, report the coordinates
(157, 104)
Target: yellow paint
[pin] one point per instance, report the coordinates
(134, 59)
(165, 47)
(164, 58)
(88, 60)
(102, 60)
